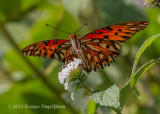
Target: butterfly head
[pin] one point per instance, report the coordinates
(73, 36)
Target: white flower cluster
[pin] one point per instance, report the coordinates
(64, 75)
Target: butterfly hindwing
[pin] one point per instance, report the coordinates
(99, 53)
(119, 32)
(53, 49)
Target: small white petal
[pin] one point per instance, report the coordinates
(66, 85)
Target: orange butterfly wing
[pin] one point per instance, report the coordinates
(53, 49)
(101, 47)
(99, 53)
(119, 32)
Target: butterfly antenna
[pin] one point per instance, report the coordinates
(58, 29)
(79, 28)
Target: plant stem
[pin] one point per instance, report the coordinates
(54, 91)
(87, 88)
(84, 85)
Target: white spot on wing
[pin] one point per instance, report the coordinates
(92, 47)
(63, 46)
(62, 50)
(56, 56)
(96, 40)
(29, 52)
(130, 23)
(84, 48)
(133, 29)
(117, 46)
(103, 64)
(142, 25)
(101, 56)
(62, 56)
(86, 40)
(110, 59)
(95, 58)
(36, 53)
(67, 43)
(25, 53)
(89, 56)
(31, 48)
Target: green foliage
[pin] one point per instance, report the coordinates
(92, 107)
(141, 50)
(109, 97)
(127, 89)
(130, 86)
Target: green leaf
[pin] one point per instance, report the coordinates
(92, 107)
(109, 97)
(79, 85)
(145, 67)
(141, 50)
(137, 93)
(127, 89)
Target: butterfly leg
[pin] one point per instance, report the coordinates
(65, 53)
(81, 56)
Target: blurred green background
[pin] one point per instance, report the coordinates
(33, 80)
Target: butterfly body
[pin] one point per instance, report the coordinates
(97, 49)
(76, 43)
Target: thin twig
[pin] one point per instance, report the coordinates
(87, 88)
(84, 85)
(54, 91)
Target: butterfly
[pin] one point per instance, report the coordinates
(98, 49)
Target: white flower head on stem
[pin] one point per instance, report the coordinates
(70, 72)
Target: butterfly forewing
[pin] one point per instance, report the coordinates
(118, 32)
(53, 49)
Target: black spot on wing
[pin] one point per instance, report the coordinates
(107, 46)
(45, 54)
(52, 56)
(106, 37)
(126, 37)
(116, 33)
(119, 30)
(107, 28)
(46, 43)
(93, 32)
(99, 32)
